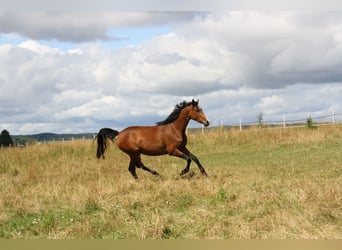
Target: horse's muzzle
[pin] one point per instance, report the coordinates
(206, 123)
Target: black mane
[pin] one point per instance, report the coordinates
(175, 113)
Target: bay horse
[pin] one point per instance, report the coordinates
(166, 137)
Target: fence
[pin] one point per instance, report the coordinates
(308, 121)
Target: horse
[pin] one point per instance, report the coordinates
(166, 137)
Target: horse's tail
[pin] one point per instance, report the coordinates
(102, 138)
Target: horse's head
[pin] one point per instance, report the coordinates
(197, 114)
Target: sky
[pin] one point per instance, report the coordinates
(70, 71)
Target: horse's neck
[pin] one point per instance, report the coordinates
(182, 121)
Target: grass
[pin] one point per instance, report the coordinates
(263, 184)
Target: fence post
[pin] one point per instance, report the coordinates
(284, 121)
(240, 124)
(334, 116)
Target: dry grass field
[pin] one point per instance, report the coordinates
(262, 184)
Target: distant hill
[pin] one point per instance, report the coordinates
(23, 139)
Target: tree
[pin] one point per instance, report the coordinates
(260, 118)
(309, 122)
(5, 139)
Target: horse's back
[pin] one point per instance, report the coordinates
(142, 139)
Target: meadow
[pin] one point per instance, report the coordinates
(262, 184)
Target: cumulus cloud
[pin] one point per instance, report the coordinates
(238, 63)
(277, 49)
(230, 50)
(274, 104)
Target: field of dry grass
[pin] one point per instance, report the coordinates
(267, 183)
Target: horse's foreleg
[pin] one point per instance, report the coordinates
(201, 168)
(195, 159)
(187, 168)
(182, 155)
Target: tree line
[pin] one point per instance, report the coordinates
(6, 140)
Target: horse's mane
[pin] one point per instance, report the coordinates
(175, 113)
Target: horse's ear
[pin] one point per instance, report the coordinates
(195, 102)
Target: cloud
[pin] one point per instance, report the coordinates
(171, 64)
(81, 26)
(237, 63)
(34, 76)
(273, 104)
(276, 49)
(230, 50)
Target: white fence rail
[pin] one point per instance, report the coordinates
(285, 122)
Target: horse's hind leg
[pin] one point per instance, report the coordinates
(141, 165)
(131, 168)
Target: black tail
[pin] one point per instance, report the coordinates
(102, 136)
